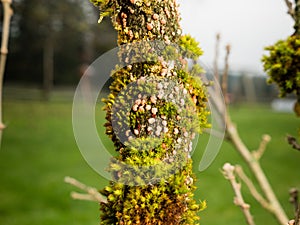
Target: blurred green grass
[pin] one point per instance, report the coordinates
(39, 150)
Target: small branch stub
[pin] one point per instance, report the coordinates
(262, 147)
(92, 194)
(293, 142)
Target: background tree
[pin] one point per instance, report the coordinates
(52, 39)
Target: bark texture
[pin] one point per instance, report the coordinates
(153, 122)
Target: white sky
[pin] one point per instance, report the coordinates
(247, 25)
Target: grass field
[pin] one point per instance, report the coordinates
(39, 149)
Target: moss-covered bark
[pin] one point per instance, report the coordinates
(154, 133)
(283, 62)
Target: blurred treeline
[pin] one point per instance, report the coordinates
(52, 40)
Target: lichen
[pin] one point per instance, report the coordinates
(154, 110)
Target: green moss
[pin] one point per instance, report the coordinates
(283, 65)
(154, 110)
(190, 47)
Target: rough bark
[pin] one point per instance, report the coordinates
(147, 198)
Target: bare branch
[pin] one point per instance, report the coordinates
(257, 171)
(297, 219)
(225, 75)
(291, 10)
(92, 193)
(294, 199)
(228, 172)
(258, 197)
(293, 142)
(216, 58)
(262, 147)
(7, 14)
(252, 161)
(83, 197)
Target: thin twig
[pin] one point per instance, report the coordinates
(84, 197)
(228, 172)
(225, 75)
(294, 198)
(258, 197)
(291, 10)
(216, 58)
(293, 142)
(92, 193)
(262, 147)
(297, 219)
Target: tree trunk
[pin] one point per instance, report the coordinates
(163, 192)
(48, 67)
